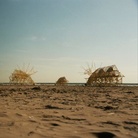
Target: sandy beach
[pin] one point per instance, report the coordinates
(68, 112)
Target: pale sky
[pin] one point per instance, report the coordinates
(58, 37)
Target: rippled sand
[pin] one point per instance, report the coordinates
(68, 112)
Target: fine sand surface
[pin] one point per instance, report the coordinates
(68, 112)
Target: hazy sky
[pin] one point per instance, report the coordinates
(58, 37)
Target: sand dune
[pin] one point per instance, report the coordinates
(68, 112)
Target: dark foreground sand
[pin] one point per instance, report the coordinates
(68, 112)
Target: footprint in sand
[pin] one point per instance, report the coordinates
(104, 135)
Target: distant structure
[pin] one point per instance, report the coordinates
(105, 76)
(62, 81)
(20, 76)
(88, 70)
